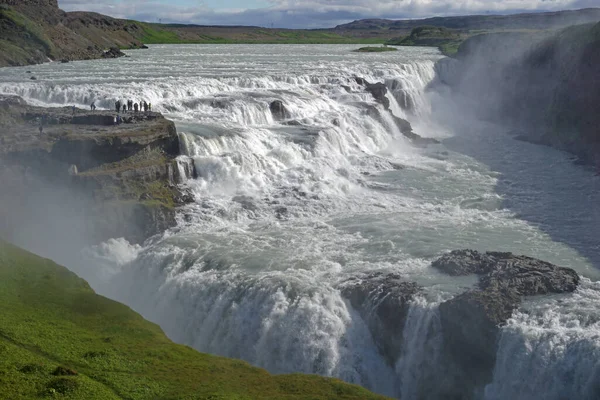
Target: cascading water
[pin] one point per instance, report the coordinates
(288, 210)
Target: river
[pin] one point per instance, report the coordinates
(285, 211)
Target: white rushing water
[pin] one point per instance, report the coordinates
(286, 211)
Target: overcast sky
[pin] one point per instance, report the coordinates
(306, 13)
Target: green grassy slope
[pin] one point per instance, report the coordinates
(58, 339)
(447, 40)
(191, 34)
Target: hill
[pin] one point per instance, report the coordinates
(36, 31)
(549, 20)
(60, 339)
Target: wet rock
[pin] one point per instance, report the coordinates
(281, 213)
(471, 328)
(462, 262)
(379, 91)
(248, 203)
(360, 81)
(506, 271)
(113, 52)
(471, 322)
(220, 104)
(293, 122)
(278, 110)
(383, 301)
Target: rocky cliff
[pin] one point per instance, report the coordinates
(35, 31)
(545, 86)
(470, 323)
(83, 172)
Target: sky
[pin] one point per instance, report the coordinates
(306, 13)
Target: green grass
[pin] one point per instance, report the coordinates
(381, 49)
(32, 29)
(153, 35)
(446, 40)
(50, 318)
(157, 34)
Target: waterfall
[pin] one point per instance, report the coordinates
(289, 208)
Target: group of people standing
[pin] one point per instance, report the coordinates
(131, 106)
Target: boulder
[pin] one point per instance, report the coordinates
(279, 111)
(471, 322)
(113, 52)
(383, 301)
(503, 271)
(379, 92)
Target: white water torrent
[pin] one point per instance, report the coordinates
(286, 211)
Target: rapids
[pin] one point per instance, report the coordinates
(287, 210)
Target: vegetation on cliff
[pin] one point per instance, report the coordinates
(60, 339)
(35, 31)
(447, 40)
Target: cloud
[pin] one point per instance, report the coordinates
(311, 13)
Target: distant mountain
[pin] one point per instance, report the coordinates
(548, 20)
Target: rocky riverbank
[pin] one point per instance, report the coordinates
(117, 180)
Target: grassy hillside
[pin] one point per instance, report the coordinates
(171, 34)
(58, 339)
(447, 40)
(547, 20)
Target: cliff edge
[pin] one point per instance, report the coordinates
(545, 86)
(85, 176)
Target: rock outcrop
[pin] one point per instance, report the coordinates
(120, 180)
(471, 321)
(379, 92)
(279, 111)
(525, 276)
(382, 301)
(545, 85)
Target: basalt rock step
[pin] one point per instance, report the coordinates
(471, 321)
(524, 275)
(279, 111)
(379, 92)
(121, 180)
(383, 301)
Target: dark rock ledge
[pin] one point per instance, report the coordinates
(118, 180)
(379, 92)
(471, 322)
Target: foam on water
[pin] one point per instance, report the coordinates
(286, 211)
